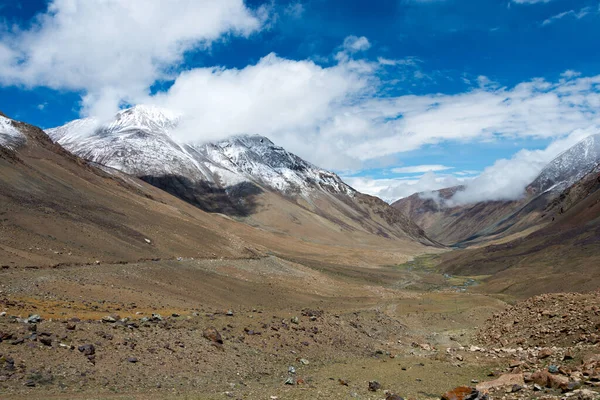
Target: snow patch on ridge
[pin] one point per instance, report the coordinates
(10, 136)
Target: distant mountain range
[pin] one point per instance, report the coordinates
(484, 221)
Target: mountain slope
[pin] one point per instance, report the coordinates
(246, 177)
(60, 209)
(485, 221)
(563, 255)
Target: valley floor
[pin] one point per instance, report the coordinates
(213, 329)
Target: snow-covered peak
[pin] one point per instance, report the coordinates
(138, 142)
(10, 136)
(570, 166)
(144, 117)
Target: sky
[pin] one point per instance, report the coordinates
(396, 96)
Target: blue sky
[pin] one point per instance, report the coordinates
(378, 86)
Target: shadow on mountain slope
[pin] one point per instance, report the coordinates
(237, 200)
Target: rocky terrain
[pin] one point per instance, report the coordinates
(111, 288)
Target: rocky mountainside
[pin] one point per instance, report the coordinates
(247, 177)
(484, 221)
(561, 255)
(569, 167)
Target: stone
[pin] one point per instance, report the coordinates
(541, 378)
(553, 369)
(586, 394)
(545, 353)
(374, 386)
(213, 335)
(568, 355)
(46, 341)
(87, 349)
(109, 319)
(304, 361)
(290, 381)
(464, 393)
(291, 370)
(508, 380)
(33, 319)
(557, 381)
(295, 320)
(393, 397)
(132, 360)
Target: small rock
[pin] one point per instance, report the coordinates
(30, 383)
(464, 393)
(508, 380)
(87, 349)
(229, 313)
(537, 387)
(392, 396)
(46, 341)
(553, 369)
(213, 335)
(545, 353)
(33, 319)
(147, 240)
(71, 327)
(109, 319)
(304, 361)
(295, 320)
(291, 370)
(290, 381)
(374, 386)
(132, 360)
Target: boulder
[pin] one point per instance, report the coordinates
(508, 380)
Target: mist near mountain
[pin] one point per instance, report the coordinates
(507, 179)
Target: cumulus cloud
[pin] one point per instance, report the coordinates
(354, 44)
(114, 50)
(339, 115)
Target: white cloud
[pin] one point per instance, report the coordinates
(571, 14)
(420, 169)
(339, 116)
(507, 179)
(354, 44)
(114, 50)
(393, 189)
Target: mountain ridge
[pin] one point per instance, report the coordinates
(242, 176)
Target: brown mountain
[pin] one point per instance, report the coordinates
(563, 255)
(59, 208)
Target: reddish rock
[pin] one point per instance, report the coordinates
(545, 353)
(464, 393)
(508, 380)
(213, 335)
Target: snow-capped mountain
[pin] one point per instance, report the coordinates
(234, 176)
(10, 137)
(139, 142)
(569, 167)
